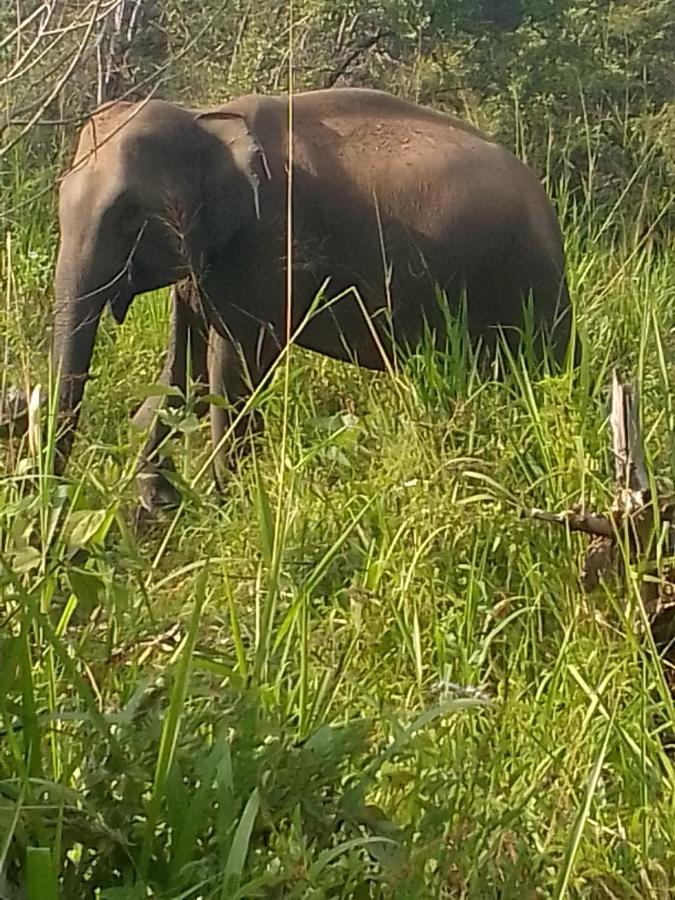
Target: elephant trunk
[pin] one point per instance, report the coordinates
(78, 312)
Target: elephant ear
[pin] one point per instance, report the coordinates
(235, 167)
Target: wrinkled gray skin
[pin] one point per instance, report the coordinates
(388, 197)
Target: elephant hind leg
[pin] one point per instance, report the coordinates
(237, 364)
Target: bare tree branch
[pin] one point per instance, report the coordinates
(156, 79)
(361, 47)
(81, 49)
(22, 24)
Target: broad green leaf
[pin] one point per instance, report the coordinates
(26, 560)
(84, 526)
(240, 842)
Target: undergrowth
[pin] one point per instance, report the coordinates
(359, 672)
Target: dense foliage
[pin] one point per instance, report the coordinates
(360, 673)
(584, 86)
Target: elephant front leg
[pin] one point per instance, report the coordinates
(237, 365)
(187, 329)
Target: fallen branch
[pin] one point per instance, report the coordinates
(588, 523)
(635, 516)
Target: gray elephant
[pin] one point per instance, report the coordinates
(393, 206)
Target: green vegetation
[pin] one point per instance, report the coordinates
(359, 673)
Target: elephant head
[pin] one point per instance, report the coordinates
(154, 194)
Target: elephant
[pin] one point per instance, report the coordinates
(392, 214)
(188, 333)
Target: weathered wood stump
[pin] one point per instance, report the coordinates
(638, 530)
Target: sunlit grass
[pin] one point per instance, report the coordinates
(395, 686)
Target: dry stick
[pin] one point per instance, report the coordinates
(629, 463)
(21, 68)
(16, 31)
(654, 613)
(243, 24)
(632, 506)
(155, 77)
(587, 523)
(16, 69)
(632, 482)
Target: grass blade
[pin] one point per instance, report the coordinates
(171, 728)
(236, 859)
(582, 817)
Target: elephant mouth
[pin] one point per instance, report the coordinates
(138, 282)
(119, 305)
(134, 280)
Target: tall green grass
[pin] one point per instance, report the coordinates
(359, 673)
